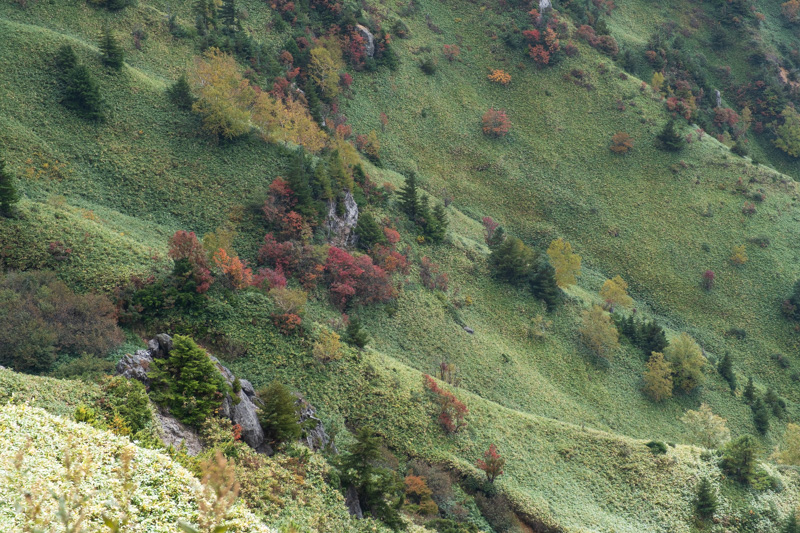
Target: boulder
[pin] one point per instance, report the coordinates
(160, 346)
(369, 45)
(244, 411)
(175, 433)
(135, 366)
(469, 330)
(544, 4)
(315, 438)
(340, 228)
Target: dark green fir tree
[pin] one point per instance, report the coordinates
(278, 414)
(355, 334)
(670, 139)
(705, 505)
(180, 93)
(8, 190)
(111, 52)
(543, 285)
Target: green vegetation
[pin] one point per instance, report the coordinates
(278, 414)
(187, 382)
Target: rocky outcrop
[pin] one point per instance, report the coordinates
(544, 4)
(340, 228)
(316, 438)
(369, 40)
(135, 366)
(176, 434)
(243, 410)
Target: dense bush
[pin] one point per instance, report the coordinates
(496, 123)
(187, 382)
(278, 414)
(40, 317)
(8, 190)
(126, 405)
(740, 458)
(688, 362)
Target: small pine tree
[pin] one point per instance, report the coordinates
(355, 334)
(670, 139)
(760, 416)
(749, 393)
(439, 223)
(321, 184)
(649, 337)
(66, 60)
(706, 503)
(512, 260)
(278, 414)
(180, 93)
(187, 382)
(8, 190)
(791, 525)
(775, 403)
(369, 231)
(82, 93)
(543, 285)
(408, 197)
(740, 458)
(298, 182)
(112, 54)
(726, 370)
(227, 15)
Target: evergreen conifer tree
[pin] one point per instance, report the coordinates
(706, 503)
(775, 403)
(187, 382)
(369, 231)
(740, 458)
(227, 15)
(650, 337)
(278, 414)
(498, 237)
(749, 393)
(791, 525)
(298, 182)
(312, 100)
(439, 220)
(374, 484)
(543, 285)
(66, 60)
(408, 197)
(321, 185)
(512, 260)
(82, 93)
(670, 139)
(760, 416)
(180, 93)
(8, 190)
(355, 334)
(112, 54)
(726, 370)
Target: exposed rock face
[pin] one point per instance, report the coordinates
(245, 412)
(135, 366)
(352, 503)
(176, 434)
(369, 46)
(316, 438)
(544, 4)
(719, 98)
(340, 228)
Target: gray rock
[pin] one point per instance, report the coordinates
(175, 433)
(340, 228)
(245, 412)
(316, 438)
(369, 46)
(352, 503)
(544, 4)
(719, 97)
(135, 366)
(469, 330)
(160, 346)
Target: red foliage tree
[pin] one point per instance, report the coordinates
(268, 278)
(496, 123)
(239, 276)
(349, 277)
(489, 227)
(491, 463)
(184, 245)
(431, 276)
(451, 51)
(452, 412)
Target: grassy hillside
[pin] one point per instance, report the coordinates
(571, 427)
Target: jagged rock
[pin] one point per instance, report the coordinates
(160, 346)
(719, 97)
(352, 503)
(369, 46)
(135, 366)
(544, 4)
(315, 438)
(245, 412)
(175, 433)
(340, 229)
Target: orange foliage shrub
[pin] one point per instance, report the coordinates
(500, 76)
(496, 123)
(234, 269)
(621, 143)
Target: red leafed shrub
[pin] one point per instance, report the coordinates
(355, 49)
(532, 36)
(345, 80)
(725, 116)
(267, 278)
(491, 463)
(237, 432)
(604, 43)
(59, 250)
(390, 260)
(302, 261)
(236, 271)
(539, 55)
(276, 254)
(708, 279)
(489, 227)
(279, 203)
(391, 235)
(496, 123)
(431, 276)
(451, 51)
(349, 277)
(452, 412)
(570, 49)
(184, 245)
(287, 323)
